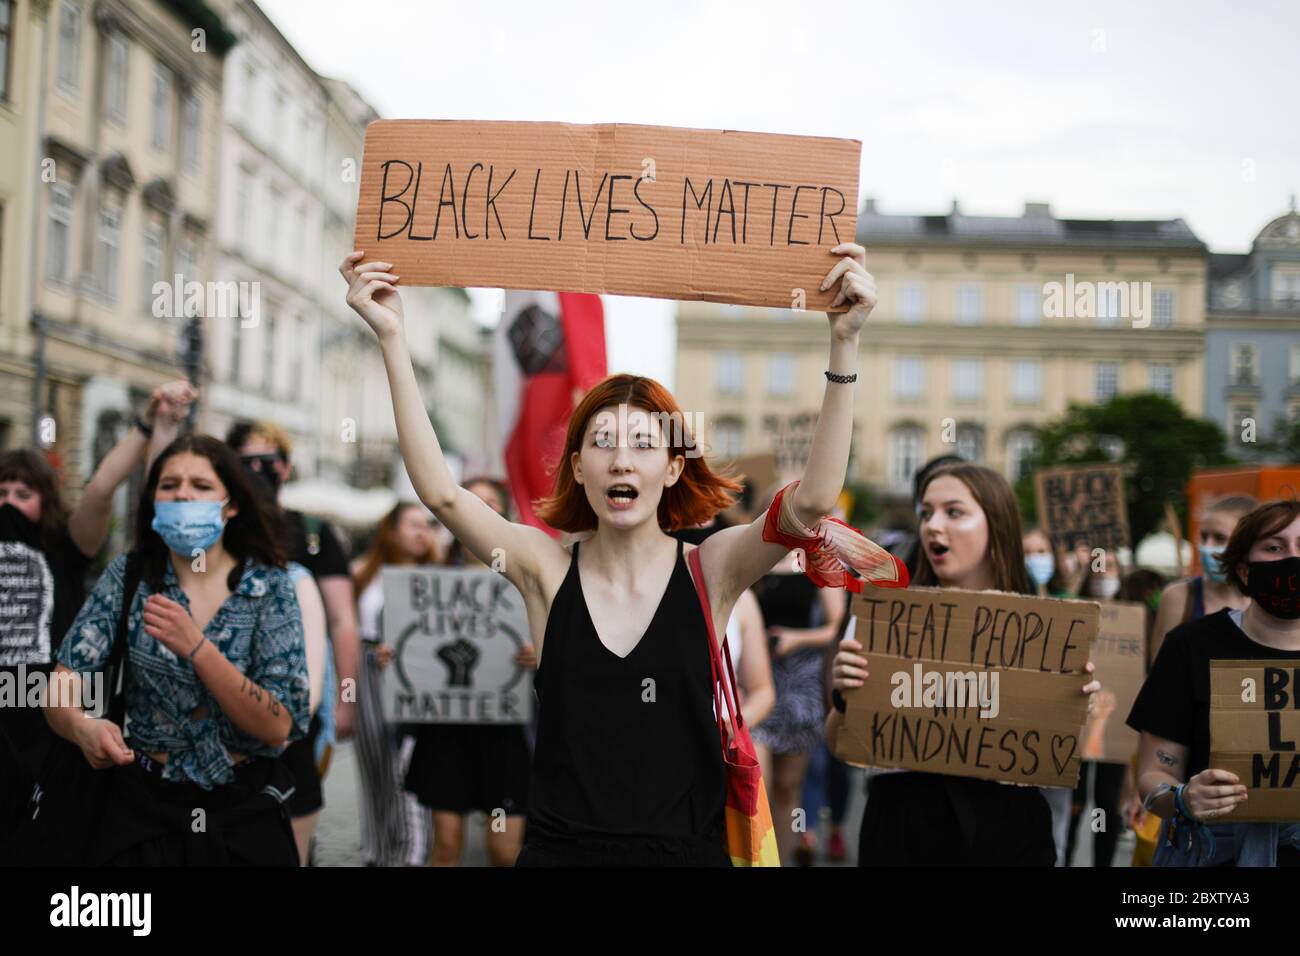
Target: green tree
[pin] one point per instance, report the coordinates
(866, 506)
(1150, 435)
(1285, 445)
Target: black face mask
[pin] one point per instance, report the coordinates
(265, 480)
(1275, 586)
(16, 526)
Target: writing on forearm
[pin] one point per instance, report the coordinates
(255, 692)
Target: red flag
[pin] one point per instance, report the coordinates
(548, 351)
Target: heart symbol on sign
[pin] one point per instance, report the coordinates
(1058, 742)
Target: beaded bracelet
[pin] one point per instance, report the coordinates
(1160, 790)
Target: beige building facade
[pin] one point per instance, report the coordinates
(291, 148)
(22, 29)
(971, 345)
(125, 102)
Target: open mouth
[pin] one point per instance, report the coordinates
(937, 550)
(621, 496)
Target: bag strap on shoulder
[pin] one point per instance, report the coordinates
(130, 584)
(724, 674)
(116, 668)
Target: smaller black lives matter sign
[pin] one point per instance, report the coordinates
(1254, 732)
(454, 635)
(1082, 506)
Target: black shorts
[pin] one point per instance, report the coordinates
(25, 738)
(300, 760)
(149, 821)
(457, 768)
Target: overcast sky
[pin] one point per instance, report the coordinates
(1106, 110)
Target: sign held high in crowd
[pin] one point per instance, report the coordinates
(662, 211)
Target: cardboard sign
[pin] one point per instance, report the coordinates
(1119, 654)
(971, 683)
(1208, 485)
(1083, 506)
(1254, 732)
(454, 635)
(660, 211)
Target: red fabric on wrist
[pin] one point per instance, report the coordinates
(837, 554)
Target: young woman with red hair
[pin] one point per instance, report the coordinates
(628, 766)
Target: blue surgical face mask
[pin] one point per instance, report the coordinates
(187, 525)
(1211, 565)
(1040, 568)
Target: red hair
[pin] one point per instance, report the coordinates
(699, 492)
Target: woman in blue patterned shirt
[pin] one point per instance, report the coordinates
(217, 679)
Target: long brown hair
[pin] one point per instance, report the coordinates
(33, 469)
(699, 492)
(1006, 552)
(384, 549)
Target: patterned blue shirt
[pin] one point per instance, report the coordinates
(259, 630)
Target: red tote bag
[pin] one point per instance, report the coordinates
(751, 838)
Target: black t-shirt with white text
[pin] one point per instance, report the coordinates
(41, 591)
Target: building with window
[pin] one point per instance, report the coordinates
(986, 328)
(1252, 337)
(121, 160)
(291, 163)
(266, 365)
(449, 351)
(21, 40)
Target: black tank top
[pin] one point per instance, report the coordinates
(623, 765)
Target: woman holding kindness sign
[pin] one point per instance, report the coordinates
(628, 767)
(970, 539)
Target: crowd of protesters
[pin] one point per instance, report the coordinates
(249, 647)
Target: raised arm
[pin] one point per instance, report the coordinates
(88, 523)
(372, 294)
(735, 558)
